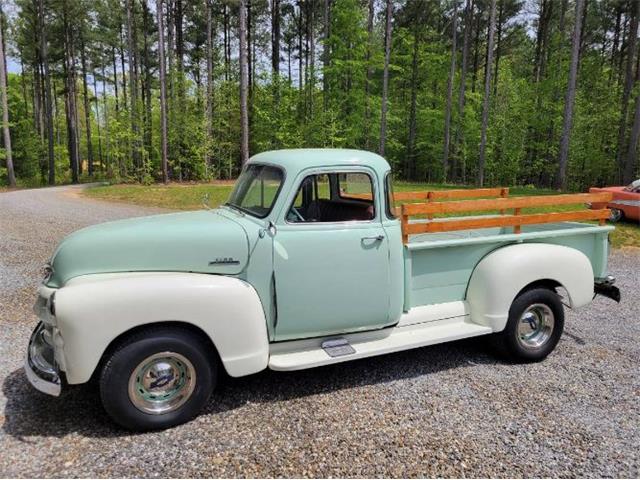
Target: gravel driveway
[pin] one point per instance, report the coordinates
(448, 410)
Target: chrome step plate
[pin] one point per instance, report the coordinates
(338, 347)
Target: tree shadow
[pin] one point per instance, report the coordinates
(29, 413)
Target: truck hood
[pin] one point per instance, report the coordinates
(202, 241)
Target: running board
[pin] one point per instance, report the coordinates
(301, 354)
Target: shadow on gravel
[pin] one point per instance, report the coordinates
(29, 413)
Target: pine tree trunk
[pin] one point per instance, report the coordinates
(122, 65)
(487, 93)
(244, 80)
(133, 89)
(561, 178)
(410, 163)
(631, 159)
(115, 78)
(105, 118)
(476, 49)
(326, 54)
(367, 84)
(87, 110)
(95, 93)
(385, 77)
(629, 82)
(163, 92)
(70, 96)
(209, 102)
(275, 37)
(450, 80)
(498, 45)
(458, 145)
(11, 177)
(48, 111)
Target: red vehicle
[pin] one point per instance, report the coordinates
(625, 203)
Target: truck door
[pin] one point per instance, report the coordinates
(331, 257)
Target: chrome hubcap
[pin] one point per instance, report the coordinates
(162, 383)
(536, 326)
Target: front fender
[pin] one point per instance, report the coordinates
(502, 274)
(93, 310)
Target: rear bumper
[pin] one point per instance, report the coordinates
(605, 287)
(39, 365)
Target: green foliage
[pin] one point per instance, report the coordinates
(525, 117)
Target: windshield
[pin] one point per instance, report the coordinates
(256, 190)
(633, 187)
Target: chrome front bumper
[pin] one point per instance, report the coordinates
(40, 365)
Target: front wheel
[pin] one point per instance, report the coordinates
(158, 378)
(534, 327)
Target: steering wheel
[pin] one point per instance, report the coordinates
(297, 214)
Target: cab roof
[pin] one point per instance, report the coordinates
(295, 160)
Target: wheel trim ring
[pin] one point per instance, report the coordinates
(153, 398)
(535, 326)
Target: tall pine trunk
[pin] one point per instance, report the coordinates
(367, 85)
(458, 145)
(326, 54)
(487, 94)
(44, 60)
(450, 80)
(163, 93)
(133, 90)
(567, 121)
(631, 159)
(209, 102)
(70, 96)
(385, 78)
(629, 81)
(11, 177)
(410, 163)
(87, 109)
(244, 80)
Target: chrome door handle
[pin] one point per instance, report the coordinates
(377, 238)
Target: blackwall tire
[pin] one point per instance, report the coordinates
(534, 327)
(158, 378)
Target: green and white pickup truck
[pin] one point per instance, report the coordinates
(309, 263)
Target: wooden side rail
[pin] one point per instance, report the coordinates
(516, 220)
(430, 195)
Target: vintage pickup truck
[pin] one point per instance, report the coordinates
(310, 262)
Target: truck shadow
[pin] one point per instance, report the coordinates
(29, 413)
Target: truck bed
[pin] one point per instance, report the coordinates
(438, 265)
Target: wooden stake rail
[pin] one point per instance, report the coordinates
(451, 194)
(516, 220)
(430, 195)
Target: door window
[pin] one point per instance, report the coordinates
(333, 197)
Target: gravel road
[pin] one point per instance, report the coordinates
(448, 410)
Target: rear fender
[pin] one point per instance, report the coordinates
(503, 274)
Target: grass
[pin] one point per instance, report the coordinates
(189, 197)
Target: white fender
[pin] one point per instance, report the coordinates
(502, 274)
(92, 310)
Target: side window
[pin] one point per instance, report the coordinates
(333, 197)
(355, 185)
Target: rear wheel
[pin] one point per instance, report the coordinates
(615, 215)
(534, 327)
(158, 378)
